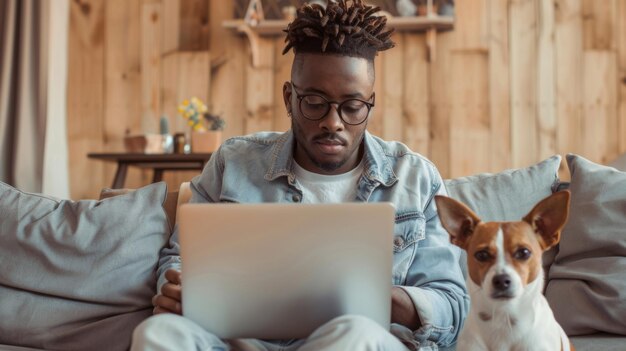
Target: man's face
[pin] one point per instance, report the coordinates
(329, 145)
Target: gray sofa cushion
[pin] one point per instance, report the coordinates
(619, 163)
(508, 195)
(587, 282)
(78, 275)
(599, 342)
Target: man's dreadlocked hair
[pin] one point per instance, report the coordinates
(344, 27)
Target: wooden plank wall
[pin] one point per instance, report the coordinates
(85, 101)
(131, 62)
(515, 82)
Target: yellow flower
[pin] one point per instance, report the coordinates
(192, 111)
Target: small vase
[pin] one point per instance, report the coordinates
(205, 141)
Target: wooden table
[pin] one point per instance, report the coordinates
(157, 162)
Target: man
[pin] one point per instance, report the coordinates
(328, 156)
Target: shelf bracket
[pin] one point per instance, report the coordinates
(261, 49)
(431, 44)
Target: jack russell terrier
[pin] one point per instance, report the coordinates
(505, 281)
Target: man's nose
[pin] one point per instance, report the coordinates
(332, 121)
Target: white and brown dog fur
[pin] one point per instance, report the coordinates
(505, 276)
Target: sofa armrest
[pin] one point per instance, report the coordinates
(184, 194)
(169, 206)
(172, 202)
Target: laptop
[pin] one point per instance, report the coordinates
(280, 271)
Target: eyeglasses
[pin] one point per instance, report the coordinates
(351, 111)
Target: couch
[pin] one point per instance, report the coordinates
(80, 275)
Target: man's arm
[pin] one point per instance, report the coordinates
(168, 271)
(403, 310)
(434, 284)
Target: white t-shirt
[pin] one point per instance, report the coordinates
(319, 188)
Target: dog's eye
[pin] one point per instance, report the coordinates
(522, 254)
(482, 255)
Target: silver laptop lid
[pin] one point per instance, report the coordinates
(279, 271)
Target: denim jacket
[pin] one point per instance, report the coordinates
(259, 168)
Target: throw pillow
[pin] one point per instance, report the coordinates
(78, 275)
(508, 195)
(619, 163)
(590, 268)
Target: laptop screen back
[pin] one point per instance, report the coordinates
(280, 271)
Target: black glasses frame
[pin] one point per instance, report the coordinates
(300, 97)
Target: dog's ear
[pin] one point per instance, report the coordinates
(548, 217)
(458, 220)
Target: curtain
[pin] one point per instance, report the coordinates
(30, 54)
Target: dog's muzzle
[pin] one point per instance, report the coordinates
(502, 286)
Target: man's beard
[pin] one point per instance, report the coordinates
(326, 166)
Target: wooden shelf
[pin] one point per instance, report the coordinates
(421, 23)
(264, 28)
(257, 34)
(401, 24)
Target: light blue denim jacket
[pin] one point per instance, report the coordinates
(259, 168)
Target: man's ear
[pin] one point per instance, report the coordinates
(548, 217)
(287, 97)
(458, 220)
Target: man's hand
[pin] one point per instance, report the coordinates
(403, 310)
(168, 301)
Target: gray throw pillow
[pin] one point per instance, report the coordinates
(619, 163)
(78, 275)
(508, 195)
(590, 268)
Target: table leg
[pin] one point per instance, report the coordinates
(157, 176)
(120, 175)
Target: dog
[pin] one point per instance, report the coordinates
(505, 277)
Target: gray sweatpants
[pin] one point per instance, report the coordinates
(174, 332)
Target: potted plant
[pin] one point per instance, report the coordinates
(215, 122)
(210, 138)
(206, 128)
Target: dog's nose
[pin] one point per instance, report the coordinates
(501, 282)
